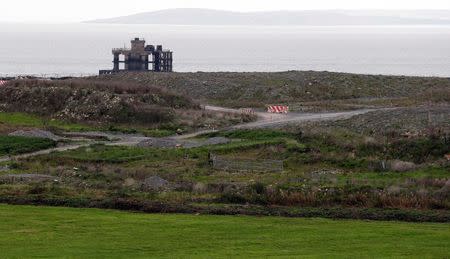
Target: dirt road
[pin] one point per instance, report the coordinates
(89, 138)
(265, 120)
(43, 152)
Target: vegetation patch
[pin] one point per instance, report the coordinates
(251, 134)
(18, 119)
(13, 145)
(82, 100)
(102, 104)
(320, 171)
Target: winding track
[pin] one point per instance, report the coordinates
(265, 120)
(268, 120)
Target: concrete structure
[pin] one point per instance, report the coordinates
(141, 58)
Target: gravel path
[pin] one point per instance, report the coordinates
(43, 152)
(266, 120)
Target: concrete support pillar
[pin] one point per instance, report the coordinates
(171, 62)
(157, 64)
(143, 62)
(146, 62)
(127, 60)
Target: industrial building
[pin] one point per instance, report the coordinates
(141, 57)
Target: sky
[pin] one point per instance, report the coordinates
(81, 10)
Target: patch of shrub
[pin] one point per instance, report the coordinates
(419, 150)
(258, 188)
(144, 114)
(38, 189)
(232, 197)
(370, 149)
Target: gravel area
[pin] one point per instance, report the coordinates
(173, 143)
(36, 133)
(154, 183)
(414, 120)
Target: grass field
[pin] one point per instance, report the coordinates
(11, 120)
(29, 231)
(29, 120)
(320, 172)
(12, 145)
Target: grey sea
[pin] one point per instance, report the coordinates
(83, 49)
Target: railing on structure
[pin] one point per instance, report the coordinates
(120, 49)
(107, 72)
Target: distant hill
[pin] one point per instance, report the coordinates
(283, 18)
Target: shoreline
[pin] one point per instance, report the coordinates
(55, 76)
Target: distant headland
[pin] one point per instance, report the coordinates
(190, 16)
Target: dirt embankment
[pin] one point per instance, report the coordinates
(82, 100)
(408, 121)
(258, 89)
(412, 121)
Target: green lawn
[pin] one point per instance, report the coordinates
(64, 232)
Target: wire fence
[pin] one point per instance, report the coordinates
(241, 165)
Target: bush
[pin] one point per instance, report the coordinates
(419, 150)
(144, 114)
(258, 188)
(370, 149)
(231, 197)
(38, 189)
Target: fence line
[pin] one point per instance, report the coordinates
(241, 165)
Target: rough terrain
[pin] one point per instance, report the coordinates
(353, 146)
(265, 120)
(295, 87)
(99, 103)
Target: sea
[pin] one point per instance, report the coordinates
(79, 49)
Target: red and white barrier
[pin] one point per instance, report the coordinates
(278, 109)
(3, 82)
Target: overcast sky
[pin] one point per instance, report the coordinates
(79, 10)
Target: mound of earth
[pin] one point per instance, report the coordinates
(259, 89)
(409, 121)
(84, 100)
(404, 120)
(154, 183)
